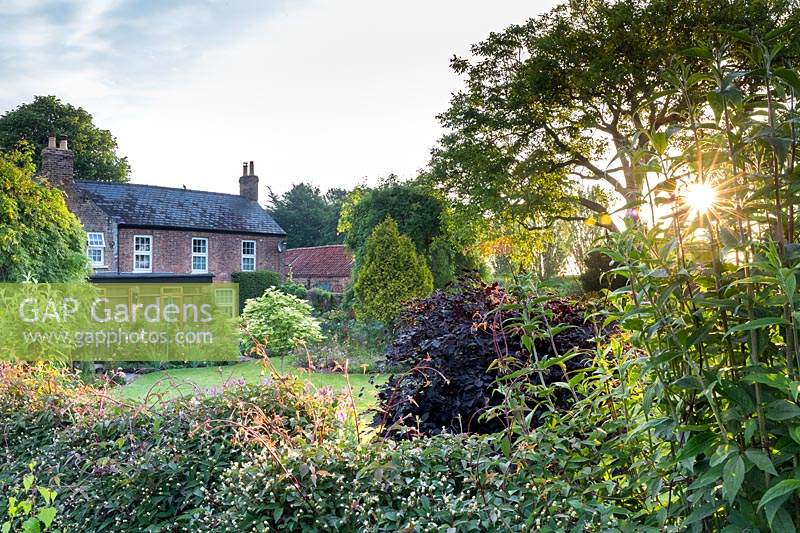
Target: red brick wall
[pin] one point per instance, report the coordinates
(57, 168)
(93, 219)
(172, 251)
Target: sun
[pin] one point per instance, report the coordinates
(700, 197)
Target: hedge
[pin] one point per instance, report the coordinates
(253, 284)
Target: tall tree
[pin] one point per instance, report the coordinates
(40, 239)
(308, 217)
(417, 212)
(421, 214)
(562, 97)
(95, 149)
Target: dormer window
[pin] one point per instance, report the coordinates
(96, 248)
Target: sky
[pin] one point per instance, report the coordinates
(331, 92)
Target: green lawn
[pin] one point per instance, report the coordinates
(181, 381)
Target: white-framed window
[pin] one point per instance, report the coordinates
(96, 248)
(142, 253)
(199, 255)
(224, 300)
(248, 256)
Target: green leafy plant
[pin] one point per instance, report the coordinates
(253, 284)
(323, 301)
(710, 302)
(280, 321)
(294, 288)
(392, 274)
(30, 508)
(130, 468)
(40, 239)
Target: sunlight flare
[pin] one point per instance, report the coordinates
(700, 197)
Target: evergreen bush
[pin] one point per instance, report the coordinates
(253, 284)
(392, 274)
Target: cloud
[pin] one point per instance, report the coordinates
(328, 91)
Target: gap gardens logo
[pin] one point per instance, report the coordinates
(120, 321)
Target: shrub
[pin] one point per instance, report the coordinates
(457, 343)
(253, 284)
(279, 321)
(597, 276)
(40, 238)
(295, 289)
(122, 468)
(391, 274)
(420, 485)
(323, 301)
(360, 344)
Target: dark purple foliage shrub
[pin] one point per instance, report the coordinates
(448, 342)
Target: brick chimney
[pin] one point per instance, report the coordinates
(248, 183)
(58, 163)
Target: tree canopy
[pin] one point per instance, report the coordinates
(40, 239)
(95, 149)
(560, 99)
(420, 214)
(417, 213)
(309, 217)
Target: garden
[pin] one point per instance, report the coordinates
(582, 316)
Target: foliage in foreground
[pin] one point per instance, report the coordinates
(129, 468)
(275, 457)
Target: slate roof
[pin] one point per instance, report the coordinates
(332, 261)
(133, 204)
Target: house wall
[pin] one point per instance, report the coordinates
(57, 169)
(94, 219)
(172, 251)
(336, 284)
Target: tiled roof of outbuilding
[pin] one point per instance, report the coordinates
(133, 204)
(332, 261)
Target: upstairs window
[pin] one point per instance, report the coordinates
(96, 248)
(199, 255)
(142, 253)
(248, 256)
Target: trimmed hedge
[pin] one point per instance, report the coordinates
(253, 284)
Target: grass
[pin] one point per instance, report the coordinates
(175, 382)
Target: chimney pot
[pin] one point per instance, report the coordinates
(248, 183)
(58, 164)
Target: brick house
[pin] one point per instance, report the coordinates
(152, 233)
(327, 267)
